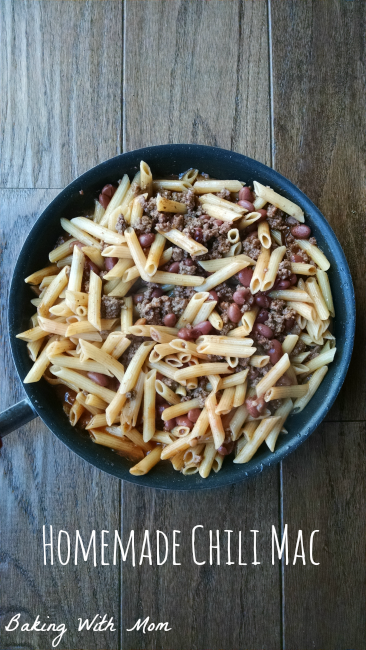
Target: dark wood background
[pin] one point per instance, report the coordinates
(282, 81)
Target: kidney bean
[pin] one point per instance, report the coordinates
(213, 295)
(174, 268)
(283, 284)
(169, 424)
(246, 194)
(234, 313)
(275, 352)
(109, 190)
(205, 217)
(113, 384)
(301, 231)
(186, 334)
(262, 301)
(262, 316)
(291, 221)
(157, 293)
(91, 265)
(296, 258)
(104, 200)
(255, 406)
(79, 244)
(289, 323)
(198, 235)
(183, 421)
(147, 239)
(245, 276)
(250, 230)
(98, 378)
(247, 205)
(284, 381)
(293, 279)
(263, 329)
(194, 414)
(70, 397)
(170, 320)
(218, 222)
(241, 296)
(161, 407)
(203, 328)
(188, 262)
(138, 297)
(110, 262)
(263, 216)
(226, 448)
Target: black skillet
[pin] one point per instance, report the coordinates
(163, 160)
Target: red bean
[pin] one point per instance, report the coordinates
(185, 334)
(263, 213)
(264, 330)
(247, 205)
(169, 424)
(98, 378)
(147, 239)
(255, 406)
(275, 352)
(234, 313)
(91, 265)
(245, 276)
(183, 421)
(198, 235)
(203, 328)
(301, 231)
(174, 268)
(188, 262)
(293, 279)
(109, 190)
(249, 230)
(262, 316)
(138, 297)
(218, 222)
(296, 258)
(226, 449)
(262, 301)
(110, 262)
(241, 296)
(246, 194)
(161, 407)
(157, 293)
(291, 221)
(289, 323)
(213, 295)
(194, 414)
(283, 284)
(104, 200)
(170, 320)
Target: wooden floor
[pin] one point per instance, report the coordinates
(282, 81)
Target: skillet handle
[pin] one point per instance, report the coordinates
(15, 416)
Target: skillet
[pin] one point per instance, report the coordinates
(164, 160)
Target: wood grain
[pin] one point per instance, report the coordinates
(43, 483)
(319, 137)
(60, 75)
(200, 74)
(325, 605)
(206, 606)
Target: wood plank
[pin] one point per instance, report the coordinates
(325, 605)
(178, 89)
(199, 75)
(60, 74)
(45, 484)
(319, 132)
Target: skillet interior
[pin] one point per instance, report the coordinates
(168, 159)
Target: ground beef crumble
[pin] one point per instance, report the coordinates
(155, 309)
(111, 307)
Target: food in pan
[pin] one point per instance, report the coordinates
(184, 320)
